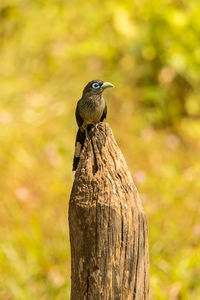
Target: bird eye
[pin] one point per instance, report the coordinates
(95, 85)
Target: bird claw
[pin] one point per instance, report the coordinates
(95, 126)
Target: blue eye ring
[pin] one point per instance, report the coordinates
(95, 85)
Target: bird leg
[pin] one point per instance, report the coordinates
(87, 133)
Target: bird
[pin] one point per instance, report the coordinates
(90, 110)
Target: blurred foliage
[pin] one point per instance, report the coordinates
(49, 50)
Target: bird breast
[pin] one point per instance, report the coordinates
(91, 110)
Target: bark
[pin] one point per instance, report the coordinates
(108, 228)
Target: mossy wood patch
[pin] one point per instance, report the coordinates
(108, 228)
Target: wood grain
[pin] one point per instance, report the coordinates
(108, 228)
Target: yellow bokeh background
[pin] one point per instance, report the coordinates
(49, 50)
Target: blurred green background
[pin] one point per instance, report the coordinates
(49, 49)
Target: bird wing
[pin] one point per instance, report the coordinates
(79, 120)
(104, 113)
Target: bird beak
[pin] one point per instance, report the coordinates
(107, 85)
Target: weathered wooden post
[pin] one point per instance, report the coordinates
(108, 229)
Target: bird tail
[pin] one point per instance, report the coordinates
(80, 139)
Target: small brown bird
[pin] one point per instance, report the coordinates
(90, 110)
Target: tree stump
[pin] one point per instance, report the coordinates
(108, 228)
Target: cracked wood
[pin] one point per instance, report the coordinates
(108, 228)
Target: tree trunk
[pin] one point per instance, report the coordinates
(108, 228)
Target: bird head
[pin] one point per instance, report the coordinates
(96, 87)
